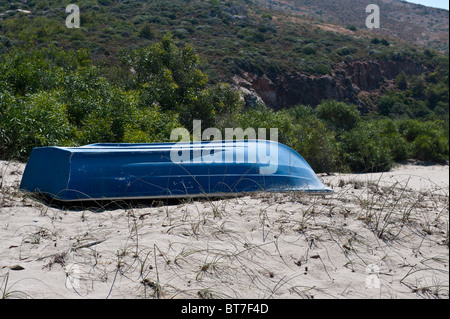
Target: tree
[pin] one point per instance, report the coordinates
(364, 150)
(338, 116)
(402, 81)
(169, 77)
(418, 87)
(146, 32)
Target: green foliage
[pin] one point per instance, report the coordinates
(346, 51)
(146, 32)
(401, 81)
(56, 97)
(338, 116)
(309, 49)
(169, 77)
(418, 87)
(320, 69)
(302, 131)
(35, 120)
(385, 42)
(85, 91)
(424, 98)
(29, 71)
(365, 149)
(377, 145)
(429, 140)
(149, 125)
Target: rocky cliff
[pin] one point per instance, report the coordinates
(345, 83)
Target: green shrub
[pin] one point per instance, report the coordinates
(431, 147)
(401, 81)
(29, 71)
(148, 125)
(299, 112)
(107, 117)
(429, 139)
(346, 51)
(84, 92)
(400, 150)
(309, 49)
(10, 118)
(299, 130)
(378, 144)
(436, 93)
(365, 150)
(418, 87)
(338, 116)
(146, 32)
(385, 42)
(321, 69)
(34, 121)
(168, 75)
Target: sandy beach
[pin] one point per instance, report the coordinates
(383, 235)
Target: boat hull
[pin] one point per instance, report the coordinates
(167, 170)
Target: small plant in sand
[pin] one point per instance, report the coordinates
(7, 291)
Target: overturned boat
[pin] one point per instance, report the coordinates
(166, 170)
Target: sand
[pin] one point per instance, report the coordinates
(377, 236)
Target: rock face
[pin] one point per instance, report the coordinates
(345, 83)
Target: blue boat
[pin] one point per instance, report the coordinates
(167, 170)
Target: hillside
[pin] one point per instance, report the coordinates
(121, 77)
(399, 19)
(277, 49)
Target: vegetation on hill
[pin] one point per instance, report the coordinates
(414, 23)
(230, 36)
(138, 69)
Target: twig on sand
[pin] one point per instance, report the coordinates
(88, 244)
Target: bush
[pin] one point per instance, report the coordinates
(399, 148)
(30, 71)
(375, 41)
(149, 125)
(37, 120)
(321, 69)
(309, 49)
(299, 130)
(365, 150)
(10, 116)
(216, 106)
(168, 76)
(338, 116)
(346, 51)
(378, 144)
(84, 92)
(431, 147)
(107, 117)
(300, 112)
(146, 32)
(401, 81)
(429, 139)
